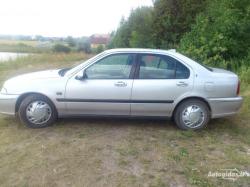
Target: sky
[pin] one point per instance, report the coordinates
(64, 17)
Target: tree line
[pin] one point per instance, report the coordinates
(213, 32)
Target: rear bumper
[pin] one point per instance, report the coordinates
(7, 104)
(225, 106)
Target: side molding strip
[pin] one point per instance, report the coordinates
(112, 101)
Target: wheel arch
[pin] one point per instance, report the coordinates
(24, 95)
(192, 97)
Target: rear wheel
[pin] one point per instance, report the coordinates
(192, 114)
(37, 111)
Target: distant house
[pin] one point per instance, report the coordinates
(99, 39)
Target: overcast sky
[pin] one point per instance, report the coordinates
(64, 17)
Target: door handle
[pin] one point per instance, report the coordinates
(120, 84)
(182, 84)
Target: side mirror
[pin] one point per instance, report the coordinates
(81, 77)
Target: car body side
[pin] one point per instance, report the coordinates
(216, 88)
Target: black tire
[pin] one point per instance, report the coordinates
(180, 109)
(33, 98)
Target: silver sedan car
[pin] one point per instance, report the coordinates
(128, 83)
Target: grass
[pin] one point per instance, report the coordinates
(16, 42)
(22, 46)
(115, 152)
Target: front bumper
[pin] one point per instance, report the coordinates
(221, 107)
(8, 104)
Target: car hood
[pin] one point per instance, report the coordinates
(36, 75)
(31, 80)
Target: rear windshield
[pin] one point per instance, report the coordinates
(208, 68)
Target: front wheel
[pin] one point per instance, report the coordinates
(37, 111)
(192, 114)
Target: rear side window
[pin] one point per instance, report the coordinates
(182, 72)
(161, 67)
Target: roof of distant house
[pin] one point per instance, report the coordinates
(99, 39)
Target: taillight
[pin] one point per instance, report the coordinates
(238, 88)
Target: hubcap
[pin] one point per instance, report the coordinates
(38, 112)
(193, 116)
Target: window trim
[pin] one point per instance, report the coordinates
(132, 70)
(137, 71)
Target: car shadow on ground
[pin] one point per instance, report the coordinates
(157, 123)
(116, 122)
(101, 123)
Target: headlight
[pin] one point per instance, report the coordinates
(3, 91)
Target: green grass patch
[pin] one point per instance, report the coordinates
(103, 152)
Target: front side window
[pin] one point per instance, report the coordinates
(161, 67)
(116, 66)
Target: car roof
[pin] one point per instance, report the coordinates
(171, 52)
(140, 50)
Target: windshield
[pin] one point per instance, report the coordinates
(70, 71)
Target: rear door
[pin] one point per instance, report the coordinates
(159, 81)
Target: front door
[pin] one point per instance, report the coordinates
(105, 90)
(159, 81)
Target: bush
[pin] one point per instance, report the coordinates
(61, 48)
(99, 49)
(84, 46)
(244, 73)
(220, 34)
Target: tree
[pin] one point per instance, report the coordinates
(220, 34)
(70, 41)
(140, 22)
(173, 18)
(122, 35)
(136, 30)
